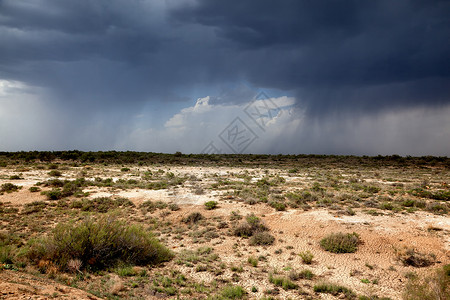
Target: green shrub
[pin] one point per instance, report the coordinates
(15, 177)
(233, 292)
(334, 289)
(125, 169)
(437, 207)
(150, 206)
(7, 254)
(125, 271)
(307, 257)
(33, 207)
(304, 274)
(55, 173)
(174, 207)
(262, 238)
(211, 205)
(69, 188)
(253, 225)
(387, 206)
(53, 194)
(253, 261)
(284, 282)
(99, 244)
(9, 188)
(102, 204)
(193, 218)
(8, 249)
(34, 189)
(243, 230)
(341, 242)
(54, 183)
(279, 206)
(371, 189)
(438, 195)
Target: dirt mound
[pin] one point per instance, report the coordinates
(15, 285)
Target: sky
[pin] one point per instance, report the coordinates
(208, 76)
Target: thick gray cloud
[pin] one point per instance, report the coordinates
(339, 53)
(96, 64)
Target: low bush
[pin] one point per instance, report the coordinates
(10, 256)
(284, 282)
(307, 257)
(334, 289)
(55, 173)
(193, 218)
(438, 207)
(304, 274)
(252, 225)
(279, 206)
(33, 207)
(253, 261)
(211, 205)
(174, 207)
(98, 244)
(9, 188)
(341, 242)
(262, 238)
(233, 292)
(62, 189)
(53, 194)
(371, 189)
(102, 204)
(150, 206)
(255, 229)
(410, 257)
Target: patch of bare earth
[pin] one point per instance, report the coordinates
(374, 269)
(18, 285)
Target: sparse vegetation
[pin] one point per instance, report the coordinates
(435, 286)
(304, 274)
(193, 218)
(233, 292)
(341, 242)
(334, 289)
(283, 282)
(34, 189)
(411, 257)
(307, 257)
(214, 244)
(55, 173)
(253, 261)
(9, 188)
(262, 238)
(98, 243)
(211, 205)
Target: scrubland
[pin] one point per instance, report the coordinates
(126, 225)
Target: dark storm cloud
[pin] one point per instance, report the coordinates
(338, 53)
(331, 53)
(96, 65)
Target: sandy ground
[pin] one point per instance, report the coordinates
(295, 231)
(15, 285)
